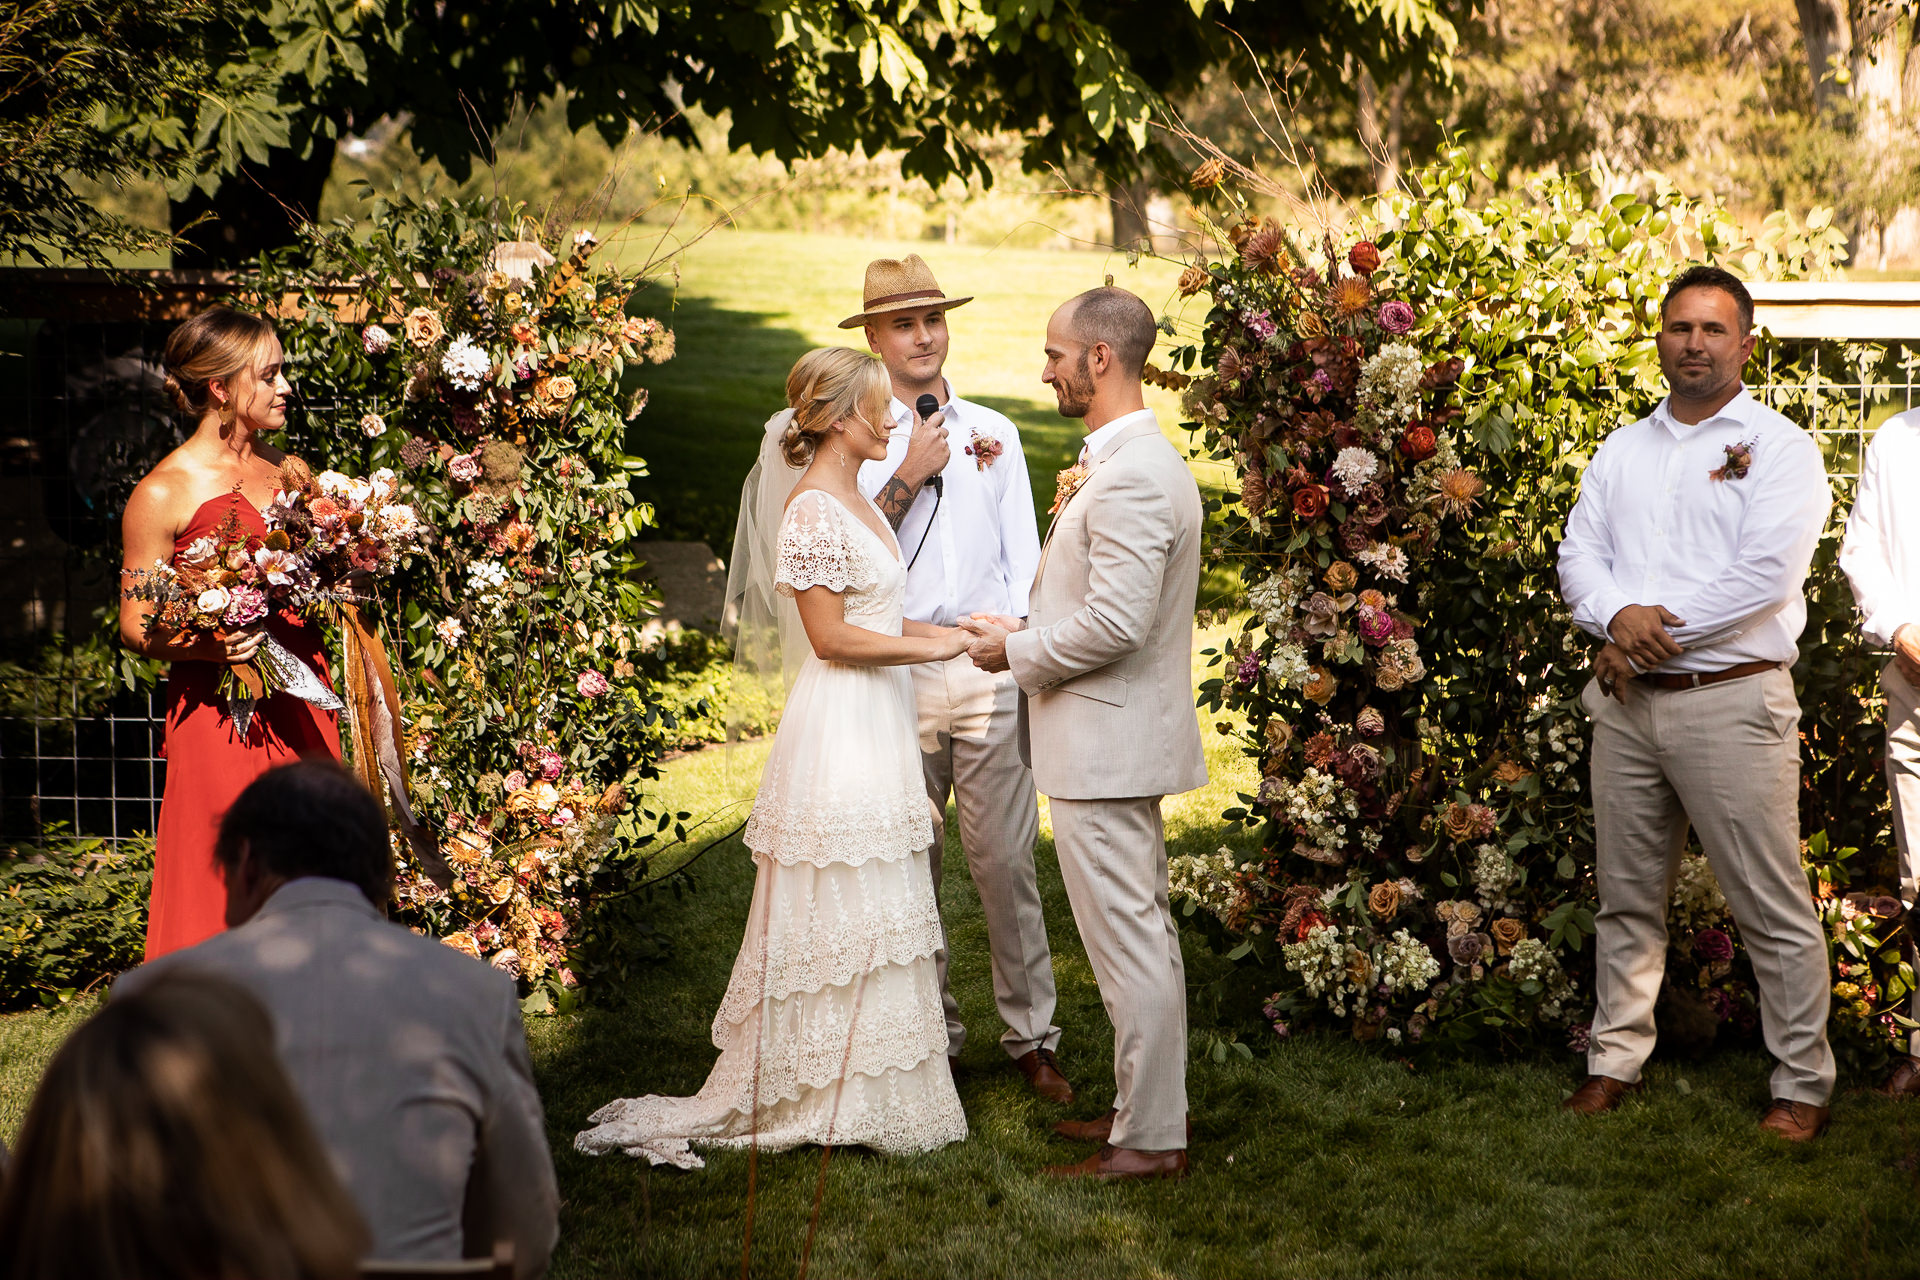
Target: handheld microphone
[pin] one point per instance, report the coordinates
(926, 406)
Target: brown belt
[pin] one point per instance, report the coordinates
(1700, 679)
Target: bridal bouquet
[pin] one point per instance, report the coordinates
(326, 535)
(329, 533)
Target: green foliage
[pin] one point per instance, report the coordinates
(73, 912)
(103, 91)
(517, 633)
(1545, 302)
(58, 680)
(691, 672)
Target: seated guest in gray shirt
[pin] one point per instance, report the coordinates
(410, 1057)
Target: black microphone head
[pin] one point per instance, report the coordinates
(926, 407)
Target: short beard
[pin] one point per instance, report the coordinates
(1075, 391)
(1700, 385)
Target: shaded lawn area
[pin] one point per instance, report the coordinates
(751, 303)
(1318, 1157)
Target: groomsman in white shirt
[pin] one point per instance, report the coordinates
(955, 488)
(1687, 553)
(1881, 557)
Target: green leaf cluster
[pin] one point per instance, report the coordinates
(73, 912)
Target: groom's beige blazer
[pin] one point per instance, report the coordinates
(1105, 664)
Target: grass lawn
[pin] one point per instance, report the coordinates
(1317, 1158)
(750, 303)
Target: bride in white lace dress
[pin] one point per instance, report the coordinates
(831, 1030)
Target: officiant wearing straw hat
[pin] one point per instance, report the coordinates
(955, 487)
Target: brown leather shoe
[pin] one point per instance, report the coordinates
(1100, 1130)
(1795, 1121)
(1599, 1093)
(1115, 1164)
(1042, 1071)
(1905, 1080)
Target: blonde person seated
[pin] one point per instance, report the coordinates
(831, 1031)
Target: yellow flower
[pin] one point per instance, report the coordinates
(500, 890)
(561, 388)
(463, 941)
(469, 848)
(545, 795)
(1209, 172)
(1320, 686)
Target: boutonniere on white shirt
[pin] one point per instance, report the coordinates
(985, 449)
(1739, 459)
(1065, 483)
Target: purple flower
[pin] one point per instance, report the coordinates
(1720, 1002)
(1376, 625)
(551, 763)
(1320, 382)
(1258, 323)
(591, 684)
(1249, 669)
(1395, 316)
(1580, 1036)
(245, 605)
(522, 368)
(1712, 945)
(1467, 948)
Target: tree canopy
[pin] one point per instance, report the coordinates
(1081, 78)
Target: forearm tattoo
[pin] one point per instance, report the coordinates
(894, 499)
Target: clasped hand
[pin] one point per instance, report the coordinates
(989, 646)
(1640, 631)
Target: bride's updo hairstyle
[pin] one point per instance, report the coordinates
(218, 343)
(828, 384)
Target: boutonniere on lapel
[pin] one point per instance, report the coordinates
(1739, 459)
(1065, 483)
(985, 450)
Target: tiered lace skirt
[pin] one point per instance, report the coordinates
(831, 1030)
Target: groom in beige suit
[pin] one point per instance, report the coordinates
(1104, 666)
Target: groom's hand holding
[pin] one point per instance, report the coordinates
(989, 647)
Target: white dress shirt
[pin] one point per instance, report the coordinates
(979, 554)
(1881, 554)
(1729, 557)
(1100, 437)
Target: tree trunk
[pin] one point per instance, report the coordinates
(1382, 144)
(258, 208)
(1826, 28)
(1129, 204)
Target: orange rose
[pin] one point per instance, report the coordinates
(423, 327)
(1506, 931)
(1383, 900)
(1320, 686)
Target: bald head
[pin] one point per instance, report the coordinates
(1117, 318)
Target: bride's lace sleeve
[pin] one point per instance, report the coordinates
(816, 549)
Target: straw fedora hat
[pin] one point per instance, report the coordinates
(899, 284)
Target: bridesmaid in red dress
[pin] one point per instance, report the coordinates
(224, 371)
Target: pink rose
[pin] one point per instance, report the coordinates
(1376, 627)
(515, 781)
(464, 467)
(552, 764)
(591, 684)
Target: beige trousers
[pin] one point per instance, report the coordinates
(967, 748)
(1725, 758)
(1113, 856)
(1903, 780)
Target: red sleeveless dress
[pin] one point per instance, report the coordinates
(209, 763)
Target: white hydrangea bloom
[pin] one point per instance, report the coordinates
(1288, 668)
(1697, 899)
(1209, 880)
(1389, 388)
(1407, 963)
(1493, 874)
